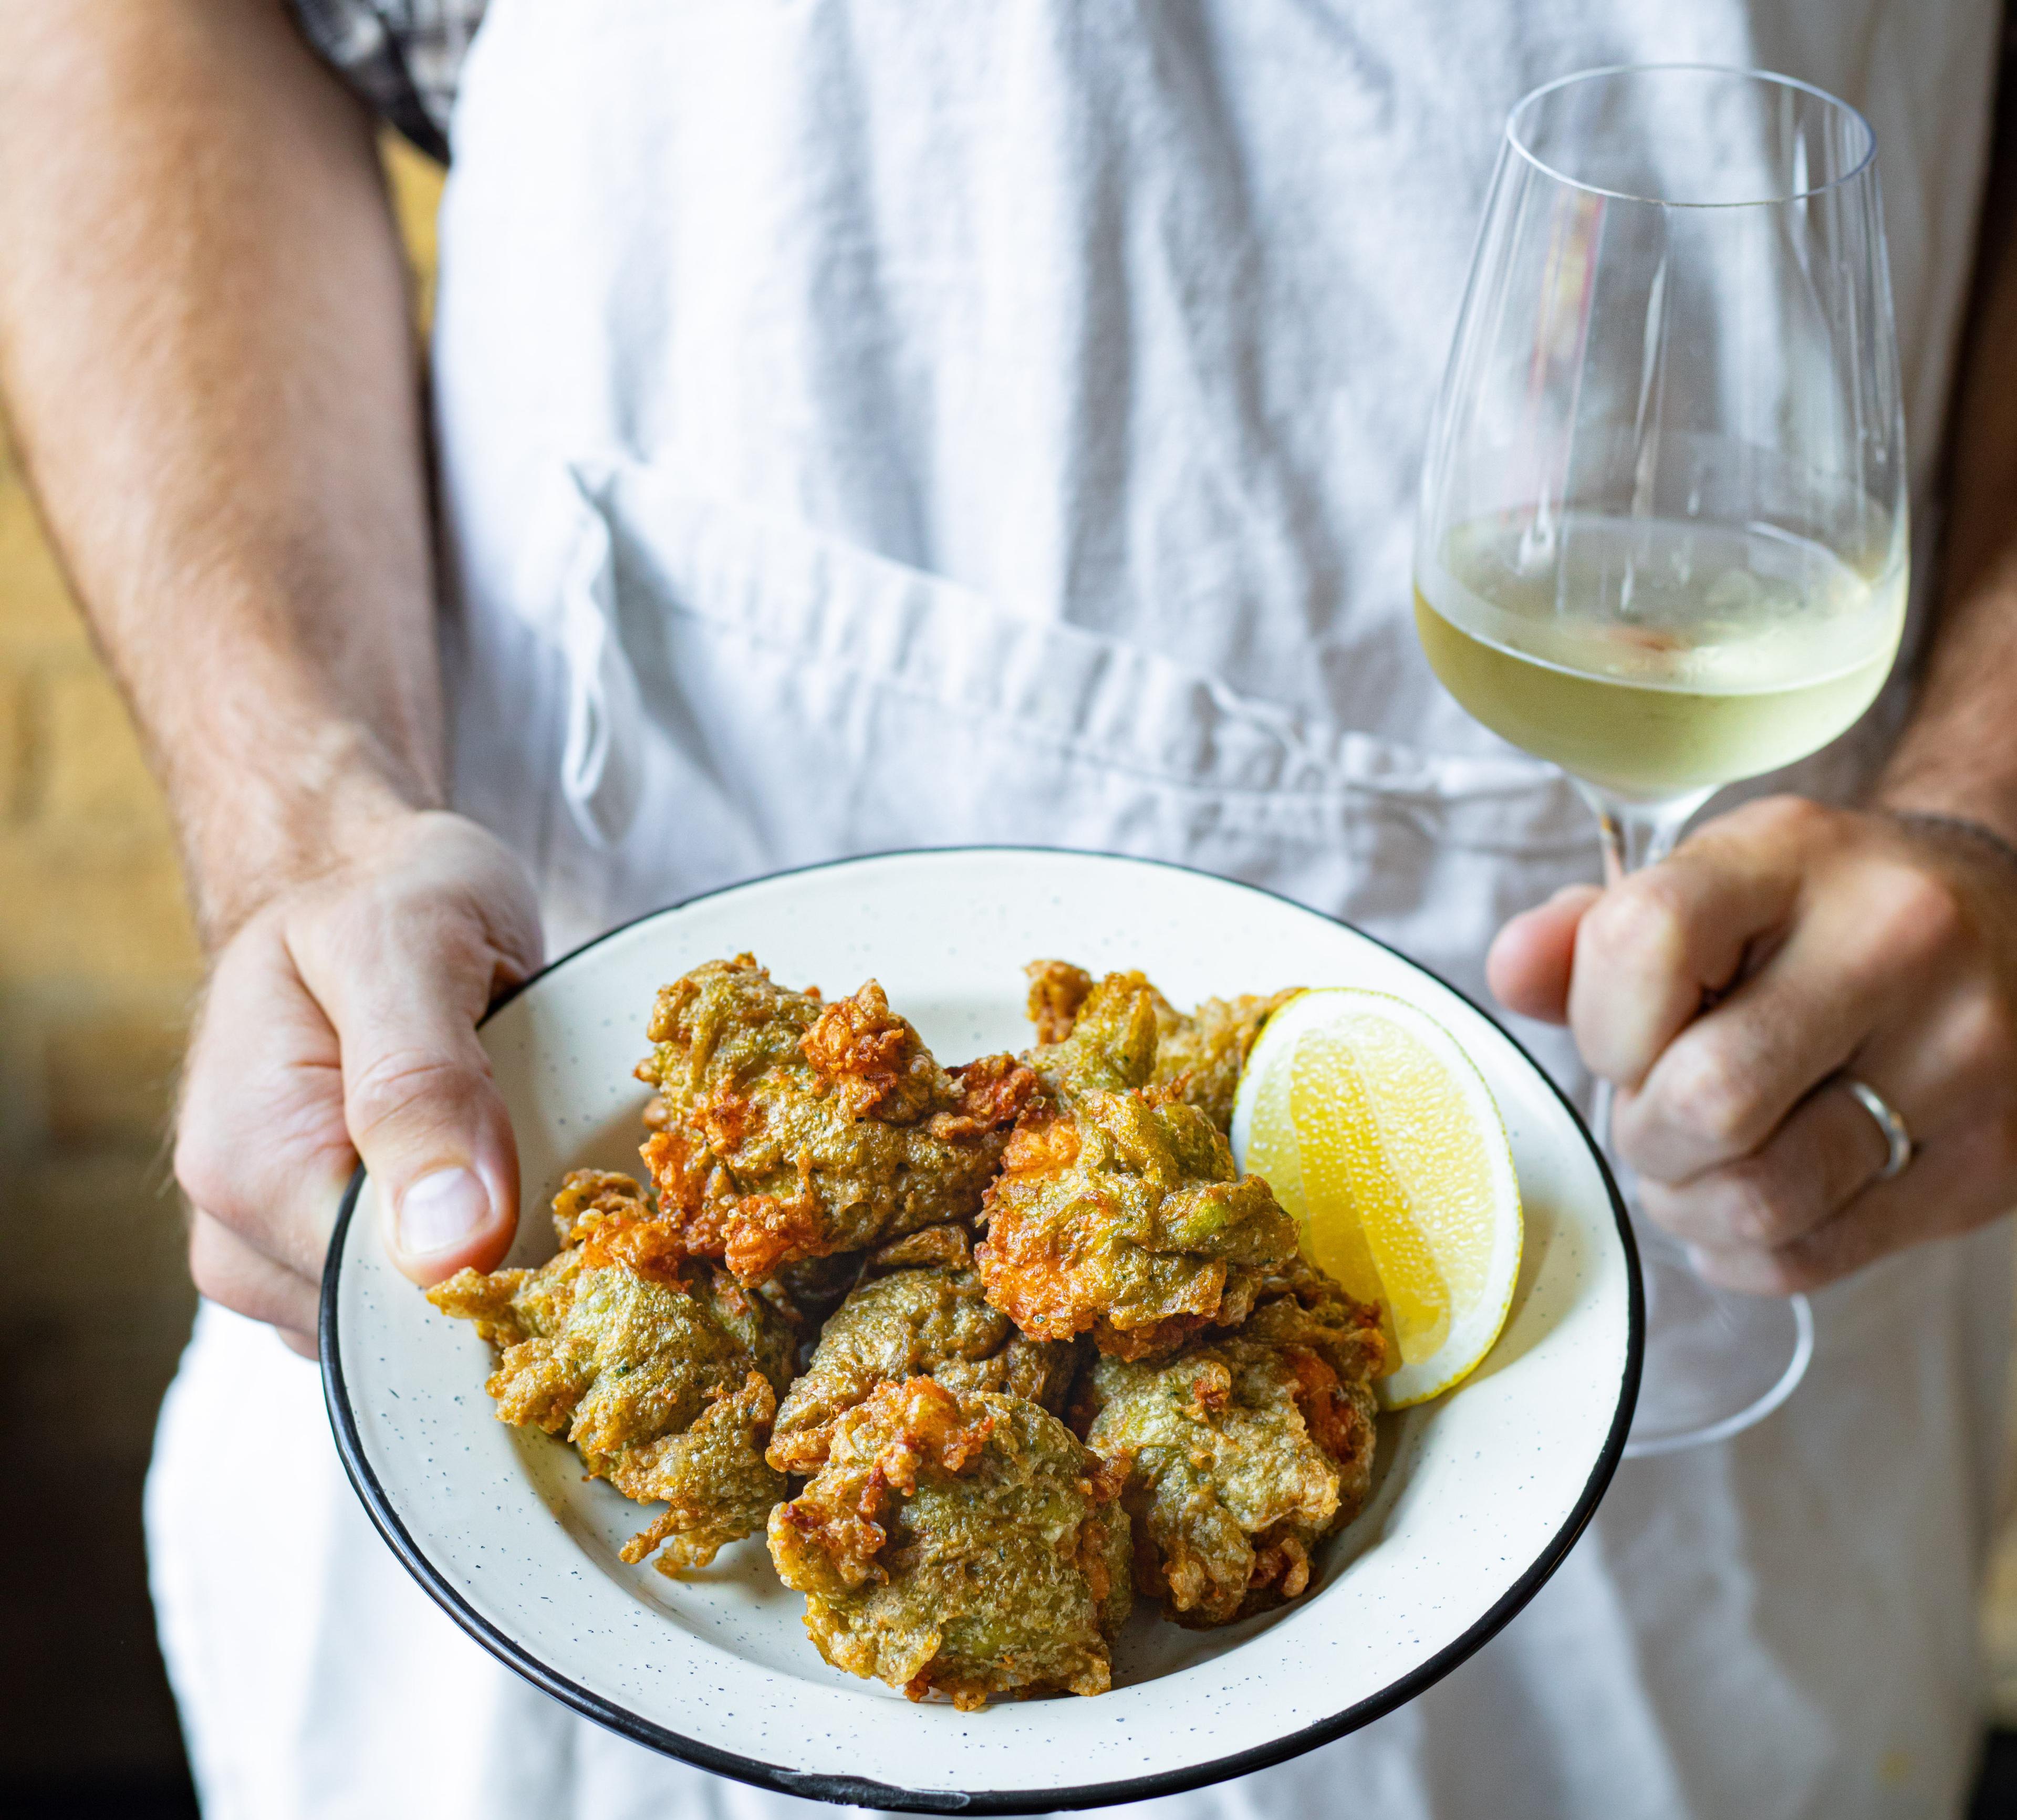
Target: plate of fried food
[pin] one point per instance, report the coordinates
(1126, 1330)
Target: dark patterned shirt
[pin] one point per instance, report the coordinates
(403, 56)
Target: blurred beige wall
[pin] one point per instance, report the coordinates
(99, 966)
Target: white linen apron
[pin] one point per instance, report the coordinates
(865, 425)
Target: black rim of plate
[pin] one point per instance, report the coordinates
(854, 1791)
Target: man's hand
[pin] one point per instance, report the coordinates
(208, 353)
(1724, 991)
(340, 1021)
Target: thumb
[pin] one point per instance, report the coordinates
(404, 984)
(1530, 960)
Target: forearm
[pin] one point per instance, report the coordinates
(205, 344)
(1958, 756)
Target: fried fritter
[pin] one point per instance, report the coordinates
(1199, 1055)
(629, 1348)
(960, 1541)
(1057, 989)
(920, 1312)
(1246, 1450)
(713, 1479)
(1118, 1209)
(788, 1129)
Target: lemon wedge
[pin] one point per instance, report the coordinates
(1379, 1136)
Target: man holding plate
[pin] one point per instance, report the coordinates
(958, 350)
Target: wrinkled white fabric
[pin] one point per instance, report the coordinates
(866, 425)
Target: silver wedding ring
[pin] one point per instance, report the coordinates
(1893, 1128)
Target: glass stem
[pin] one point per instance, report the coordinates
(1638, 834)
(1635, 835)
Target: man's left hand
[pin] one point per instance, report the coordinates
(1726, 991)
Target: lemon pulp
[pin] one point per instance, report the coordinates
(1380, 1138)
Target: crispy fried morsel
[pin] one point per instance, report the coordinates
(1057, 989)
(713, 1479)
(510, 1306)
(1118, 1209)
(614, 1343)
(951, 1246)
(1200, 1056)
(1247, 1448)
(960, 1542)
(919, 1313)
(788, 1129)
(493, 1302)
(872, 1056)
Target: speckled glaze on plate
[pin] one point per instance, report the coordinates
(1478, 1497)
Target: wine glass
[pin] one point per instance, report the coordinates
(1662, 540)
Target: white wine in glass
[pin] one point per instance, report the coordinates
(1663, 535)
(1744, 648)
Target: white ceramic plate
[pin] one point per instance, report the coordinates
(1479, 1495)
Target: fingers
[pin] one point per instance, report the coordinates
(1862, 975)
(1947, 1074)
(1529, 962)
(1807, 1205)
(405, 971)
(1938, 1196)
(1827, 1151)
(427, 1118)
(260, 1142)
(1657, 942)
(341, 1020)
(1723, 989)
(230, 1272)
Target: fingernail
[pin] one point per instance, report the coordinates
(441, 1210)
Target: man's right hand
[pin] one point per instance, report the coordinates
(208, 347)
(340, 1022)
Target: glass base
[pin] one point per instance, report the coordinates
(1715, 1362)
